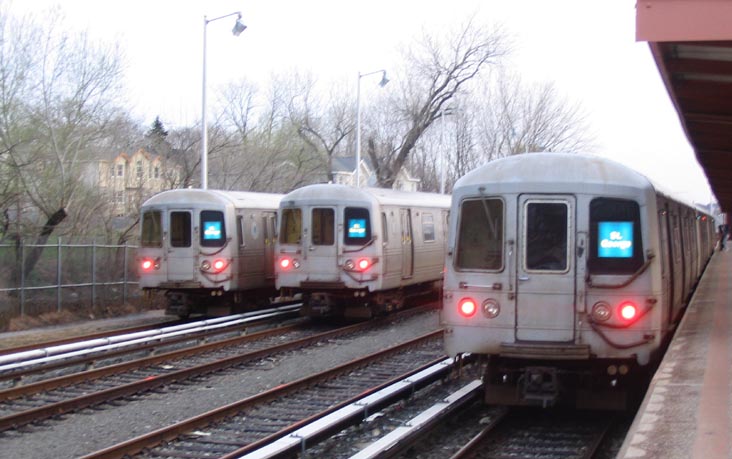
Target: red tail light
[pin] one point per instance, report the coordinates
(363, 264)
(467, 307)
(628, 311)
(147, 264)
(360, 265)
(285, 263)
(219, 265)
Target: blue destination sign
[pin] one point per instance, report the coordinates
(211, 230)
(615, 240)
(357, 228)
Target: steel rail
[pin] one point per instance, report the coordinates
(147, 384)
(89, 358)
(135, 445)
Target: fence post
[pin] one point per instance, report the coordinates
(58, 275)
(22, 278)
(124, 278)
(94, 271)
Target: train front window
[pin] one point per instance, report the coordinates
(546, 234)
(358, 226)
(291, 226)
(213, 230)
(323, 226)
(480, 235)
(180, 229)
(615, 237)
(152, 229)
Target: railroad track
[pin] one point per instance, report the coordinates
(30, 365)
(42, 400)
(90, 336)
(246, 426)
(546, 434)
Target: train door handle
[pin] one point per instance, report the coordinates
(523, 278)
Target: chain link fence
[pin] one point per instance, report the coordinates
(66, 276)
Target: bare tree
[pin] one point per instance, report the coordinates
(517, 118)
(504, 117)
(324, 123)
(264, 150)
(438, 70)
(49, 137)
(448, 150)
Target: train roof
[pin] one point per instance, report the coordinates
(336, 193)
(553, 170)
(240, 199)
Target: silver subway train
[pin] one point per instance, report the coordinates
(210, 251)
(568, 274)
(356, 252)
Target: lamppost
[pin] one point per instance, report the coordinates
(237, 30)
(382, 83)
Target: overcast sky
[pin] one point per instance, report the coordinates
(587, 48)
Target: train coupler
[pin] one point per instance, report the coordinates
(539, 385)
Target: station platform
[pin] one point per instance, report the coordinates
(687, 411)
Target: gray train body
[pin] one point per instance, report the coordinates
(356, 252)
(568, 273)
(211, 251)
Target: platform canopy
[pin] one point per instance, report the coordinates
(691, 42)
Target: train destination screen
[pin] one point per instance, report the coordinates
(357, 228)
(211, 231)
(615, 240)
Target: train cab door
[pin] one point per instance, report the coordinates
(321, 244)
(268, 224)
(545, 291)
(181, 253)
(407, 243)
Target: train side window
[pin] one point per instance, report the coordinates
(152, 229)
(358, 226)
(213, 229)
(180, 229)
(323, 226)
(291, 226)
(240, 230)
(428, 227)
(480, 234)
(616, 246)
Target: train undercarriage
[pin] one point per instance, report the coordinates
(601, 384)
(216, 302)
(361, 304)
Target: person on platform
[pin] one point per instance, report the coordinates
(723, 233)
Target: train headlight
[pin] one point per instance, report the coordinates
(491, 308)
(467, 307)
(205, 265)
(349, 265)
(628, 311)
(601, 312)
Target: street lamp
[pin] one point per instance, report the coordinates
(382, 83)
(237, 30)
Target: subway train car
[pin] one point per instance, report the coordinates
(359, 252)
(568, 275)
(210, 251)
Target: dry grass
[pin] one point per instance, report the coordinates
(76, 313)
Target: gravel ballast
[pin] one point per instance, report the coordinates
(94, 429)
